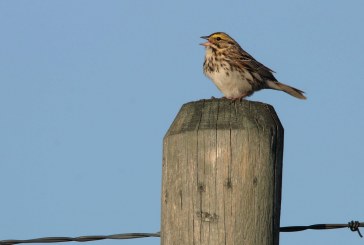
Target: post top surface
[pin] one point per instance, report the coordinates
(224, 114)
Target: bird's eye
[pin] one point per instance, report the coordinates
(218, 38)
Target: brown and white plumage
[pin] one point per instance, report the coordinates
(235, 72)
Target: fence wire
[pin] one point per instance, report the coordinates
(81, 238)
(352, 225)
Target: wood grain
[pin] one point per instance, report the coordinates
(222, 172)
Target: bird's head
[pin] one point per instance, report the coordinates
(219, 40)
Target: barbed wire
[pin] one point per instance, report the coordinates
(352, 225)
(80, 238)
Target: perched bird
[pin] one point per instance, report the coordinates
(235, 72)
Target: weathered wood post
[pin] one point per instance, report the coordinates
(222, 173)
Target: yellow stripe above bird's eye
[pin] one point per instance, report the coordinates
(221, 35)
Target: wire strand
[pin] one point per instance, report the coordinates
(80, 238)
(352, 225)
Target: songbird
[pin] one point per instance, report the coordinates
(235, 72)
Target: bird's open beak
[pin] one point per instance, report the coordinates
(206, 43)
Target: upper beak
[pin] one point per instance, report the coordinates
(205, 43)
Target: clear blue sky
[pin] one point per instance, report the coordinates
(89, 88)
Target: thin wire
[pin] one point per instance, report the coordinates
(80, 238)
(352, 225)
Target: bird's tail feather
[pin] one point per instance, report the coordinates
(285, 88)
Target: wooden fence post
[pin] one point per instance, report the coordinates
(222, 173)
